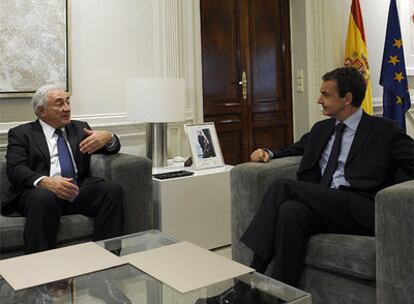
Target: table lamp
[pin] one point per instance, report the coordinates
(156, 101)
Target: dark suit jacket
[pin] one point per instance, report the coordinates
(28, 157)
(378, 151)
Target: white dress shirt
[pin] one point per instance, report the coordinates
(338, 178)
(51, 140)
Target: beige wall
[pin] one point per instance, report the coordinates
(325, 33)
(107, 45)
(115, 39)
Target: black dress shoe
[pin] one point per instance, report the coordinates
(59, 288)
(227, 297)
(114, 246)
(107, 291)
(240, 293)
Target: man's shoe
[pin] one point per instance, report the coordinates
(114, 246)
(240, 293)
(226, 297)
(107, 291)
(59, 288)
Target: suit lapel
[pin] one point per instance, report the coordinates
(364, 128)
(324, 136)
(73, 141)
(40, 139)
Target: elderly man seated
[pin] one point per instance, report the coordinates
(48, 167)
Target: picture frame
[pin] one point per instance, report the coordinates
(204, 145)
(34, 46)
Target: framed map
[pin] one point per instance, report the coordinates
(33, 46)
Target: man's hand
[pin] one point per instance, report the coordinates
(260, 155)
(61, 186)
(94, 140)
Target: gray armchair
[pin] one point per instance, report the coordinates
(133, 173)
(339, 269)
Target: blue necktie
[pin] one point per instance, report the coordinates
(333, 156)
(65, 161)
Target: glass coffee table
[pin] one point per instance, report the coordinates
(126, 284)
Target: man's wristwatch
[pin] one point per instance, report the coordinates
(112, 142)
(268, 152)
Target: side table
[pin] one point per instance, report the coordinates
(194, 208)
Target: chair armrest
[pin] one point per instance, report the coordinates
(394, 216)
(134, 175)
(248, 184)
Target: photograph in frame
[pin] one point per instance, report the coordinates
(204, 145)
(34, 46)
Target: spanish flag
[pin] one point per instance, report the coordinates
(356, 53)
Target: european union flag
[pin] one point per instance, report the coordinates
(396, 99)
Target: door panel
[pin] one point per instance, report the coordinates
(277, 135)
(222, 102)
(250, 36)
(229, 143)
(219, 48)
(271, 101)
(263, 41)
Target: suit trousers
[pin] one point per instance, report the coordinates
(102, 200)
(292, 211)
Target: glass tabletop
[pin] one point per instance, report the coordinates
(126, 284)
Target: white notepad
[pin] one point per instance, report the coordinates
(57, 264)
(185, 266)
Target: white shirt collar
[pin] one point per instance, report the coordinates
(352, 121)
(48, 130)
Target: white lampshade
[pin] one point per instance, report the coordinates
(156, 99)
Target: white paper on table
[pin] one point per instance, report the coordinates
(185, 266)
(57, 264)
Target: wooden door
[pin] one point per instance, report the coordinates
(251, 38)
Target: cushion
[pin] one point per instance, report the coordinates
(4, 182)
(72, 227)
(347, 254)
(333, 288)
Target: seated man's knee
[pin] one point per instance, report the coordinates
(43, 200)
(279, 185)
(113, 189)
(281, 182)
(293, 210)
(44, 195)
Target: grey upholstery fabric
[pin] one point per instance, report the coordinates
(348, 254)
(339, 269)
(334, 287)
(248, 184)
(133, 173)
(394, 215)
(72, 227)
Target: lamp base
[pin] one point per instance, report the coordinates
(157, 143)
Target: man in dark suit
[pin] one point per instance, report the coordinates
(335, 190)
(204, 140)
(48, 167)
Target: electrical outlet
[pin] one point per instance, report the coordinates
(299, 81)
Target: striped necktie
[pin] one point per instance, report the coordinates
(66, 165)
(333, 156)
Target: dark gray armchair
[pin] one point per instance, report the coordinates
(133, 173)
(339, 269)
